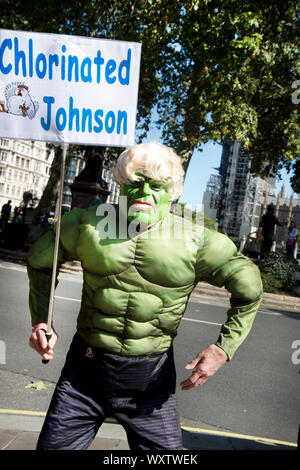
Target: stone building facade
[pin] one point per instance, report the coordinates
(24, 166)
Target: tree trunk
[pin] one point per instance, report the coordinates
(185, 152)
(193, 120)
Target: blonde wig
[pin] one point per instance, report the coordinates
(156, 161)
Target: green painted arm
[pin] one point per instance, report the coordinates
(39, 270)
(240, 276)
(40, 262)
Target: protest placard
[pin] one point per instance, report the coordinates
(71, 89)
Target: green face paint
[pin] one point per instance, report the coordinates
(147, 200)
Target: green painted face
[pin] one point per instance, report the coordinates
(147, 200)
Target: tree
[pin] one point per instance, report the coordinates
(183, 210)
(228, 72)
(211, 69)
(295, 180)
(137, 21)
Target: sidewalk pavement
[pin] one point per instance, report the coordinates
(282, 301)
(19, 429)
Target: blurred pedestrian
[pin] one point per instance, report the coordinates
(5, 214)
(95, 200)
(254, 244)
(19, 214)
(291, 239)
(268, 222)
(43, 217)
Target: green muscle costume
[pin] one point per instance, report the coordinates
(136, 289)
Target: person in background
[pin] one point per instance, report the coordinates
(256, 240)
(268, 222)
(43, 217)
(291, 239)
(95, 200)
(20, 214)
(5, 214)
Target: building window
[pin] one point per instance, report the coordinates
(17, 161)
(2, 171)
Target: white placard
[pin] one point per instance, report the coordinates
(73, 89)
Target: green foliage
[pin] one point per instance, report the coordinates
(211, 69)
(209, 223)
(228, 72)
(270, 284)
(183, 210)
(37, 385)
(280, 269)
(295, 180)
(142, 21)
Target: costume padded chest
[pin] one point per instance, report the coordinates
(135, 289)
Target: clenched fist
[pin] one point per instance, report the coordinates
(38, 341)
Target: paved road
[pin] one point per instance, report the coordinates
(255, 394)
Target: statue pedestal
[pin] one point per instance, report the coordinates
(83, 191)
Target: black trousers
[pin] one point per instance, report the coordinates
(138, 392)
(266, 246)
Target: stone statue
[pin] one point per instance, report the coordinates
(89, 183)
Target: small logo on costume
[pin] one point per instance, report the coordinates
(89, 353)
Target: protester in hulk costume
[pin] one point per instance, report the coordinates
(140, 266)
